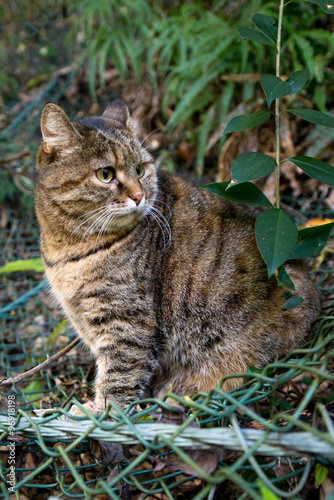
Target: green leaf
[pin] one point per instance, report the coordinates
(274, 87)
(321, 473)
(33, 391)
(276, 236)
(293, 302)
(326, 5)
(92, 76)
(190, 96)
(267, 25)
(317, 169)
(297, 80)
(250, 166)
(245, 193)
(314, 116)
(306, 52)
(244, 122)
(283, 279)
(285, 406)
(23, 265)
(56, 331)
(255, 36)
(313, 240)
(266, 494)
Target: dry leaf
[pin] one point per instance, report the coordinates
(317, 222)
(326, 489)
(207, 460)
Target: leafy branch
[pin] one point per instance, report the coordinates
(277, 235)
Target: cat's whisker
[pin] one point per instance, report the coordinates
(149, 135)
(162, 222)
(157, 211)
(53, 199)
(161, 227)
(97, 214)
(107, 221)
(95, 225)
(100, 209)
(154, 200)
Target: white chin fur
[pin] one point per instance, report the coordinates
(131, 214)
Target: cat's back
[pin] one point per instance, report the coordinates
(206, 228)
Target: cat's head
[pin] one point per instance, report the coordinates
(93, 175)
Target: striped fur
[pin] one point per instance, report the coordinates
(164, 282)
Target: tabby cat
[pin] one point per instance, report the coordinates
(163, 281)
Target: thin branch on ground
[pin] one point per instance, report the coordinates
(15, 156)
(41, 366)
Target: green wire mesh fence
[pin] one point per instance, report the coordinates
(272, 437)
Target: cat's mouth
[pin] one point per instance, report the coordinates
(112, 217)
(120, 218)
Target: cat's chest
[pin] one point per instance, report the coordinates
(105, 279)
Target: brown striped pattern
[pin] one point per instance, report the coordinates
(171, 293)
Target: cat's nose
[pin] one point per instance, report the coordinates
(137, 196)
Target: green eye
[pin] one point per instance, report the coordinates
(140, 170)
(106, 174)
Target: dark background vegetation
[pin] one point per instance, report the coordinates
(181, 67)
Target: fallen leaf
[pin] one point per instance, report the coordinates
(207, 460)
(327, 489)
(317, 222)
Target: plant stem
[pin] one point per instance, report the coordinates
(277, 101)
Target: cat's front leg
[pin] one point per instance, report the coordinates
(125, 367)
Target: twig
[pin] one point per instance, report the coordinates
(149, 458)
(13, 172)
(16, 156)
(245, 77)
(248, 77)
(41, 366)
(277, 104)
(62, 71)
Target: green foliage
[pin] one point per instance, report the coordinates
(247, 192)
(293, 302)
(267, 33)
(284, 279)
(276, 233)
(23, 265)
(317, 169)
(311, 241)
(33, 391)
(313, 116)
(59, 328)
(321, 472)
(186, 47)
(245, 122)
(276, 236)
(266, 494)
(11, 191)
(250, 166)
(326, 5)
(297, 80)
(274, 87)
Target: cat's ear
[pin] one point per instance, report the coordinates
(57, 130)
(118, 112)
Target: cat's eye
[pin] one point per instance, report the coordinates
(140, 169)
(106, 174)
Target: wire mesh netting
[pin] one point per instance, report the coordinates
(273, 435)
